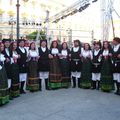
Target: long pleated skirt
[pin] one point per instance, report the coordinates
(106, 77)
(65, 70)
(15, 89)
(86, 74)
(33, 76)
(55, 77)
(4, 93)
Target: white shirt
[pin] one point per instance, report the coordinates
(43, 49)
(105, 52)
(54, 51)
(7, 51)
(75, 49)
(115, 49)
(64, 52)
(2, 59)
(33, 53)
(87, 53)
(22, 49)
(96, 52)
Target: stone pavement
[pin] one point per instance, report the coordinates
(63, 104)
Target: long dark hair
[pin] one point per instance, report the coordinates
(31, 45)
(53, 43)
(88, 46)
(109, 46)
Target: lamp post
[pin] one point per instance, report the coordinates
(18, 28)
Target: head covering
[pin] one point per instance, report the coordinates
(6, 40)
(78, 41)
(20, 40)
(117, 39)
(43, 41)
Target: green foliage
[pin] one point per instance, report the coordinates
(33, 35)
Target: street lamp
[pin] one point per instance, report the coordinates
(18, 28)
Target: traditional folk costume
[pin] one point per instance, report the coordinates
(86, 68)
(43, 66)
(55, 72)
(7, 64)
(65, 67)
(33, 79)
(96, 69)
(4, 93)
(76, 65)
(106, 72)
(15, 88)
(22, 67)
(116, 67)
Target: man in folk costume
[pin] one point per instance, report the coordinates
(22, 64)
(116, 63)
(96, 65)
(7, 62)
(76, 63)
(43, 64)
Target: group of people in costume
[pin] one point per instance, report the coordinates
(25, 67)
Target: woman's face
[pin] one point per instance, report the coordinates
(54, 44)
(32, 46)
(14, 45)
(76, 44)
(86, 46)
(64, 45)
(1, 47)
(43, 44)
(105, 45)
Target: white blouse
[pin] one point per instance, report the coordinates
(54, 51)
(75, 49)
(96, 52)
(7, 51)
(33, 53)
(2, 59)
(105, 53)
(43, 49)
(22, 49)
(115, 49)
(64, 52)
(87, 53)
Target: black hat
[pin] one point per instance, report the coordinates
(43, 41)
(20, 40)
(6, 40)
(117, 39)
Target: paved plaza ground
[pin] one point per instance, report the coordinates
(63, 104)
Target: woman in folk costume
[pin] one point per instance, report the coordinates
(106, 69)
(116, 63)
(15, 90)
(55, 72)
(65, 65)
(4, 94)
(86, 66)
(7, 64)
(22, 65)
(33, 79)
(43, 64)
(96, 66)
(75, 65)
